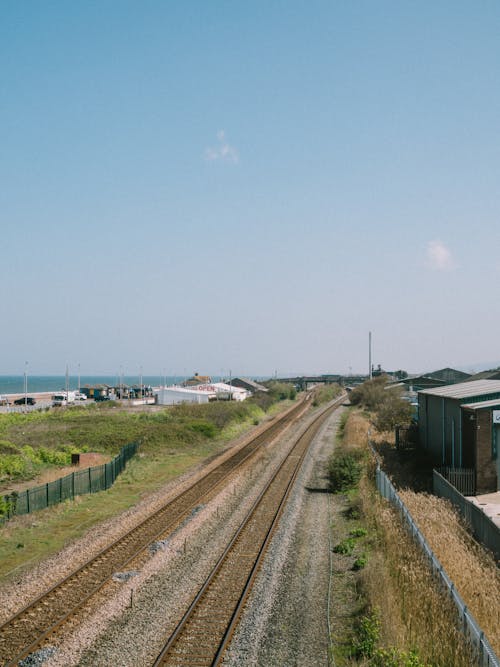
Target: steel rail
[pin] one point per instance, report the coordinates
(27, 629)
(205, 630)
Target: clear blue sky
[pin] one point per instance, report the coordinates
(255, 186)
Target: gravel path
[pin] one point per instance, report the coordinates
(285, 621)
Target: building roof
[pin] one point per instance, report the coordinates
(449, 375)
(486, 375)
(494, 403)
(182, 390)
(255, 386)
(465, 389)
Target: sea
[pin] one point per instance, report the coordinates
(14, 384)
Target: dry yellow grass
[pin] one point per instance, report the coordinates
(355, 431)
(416, 613)
(469, 566)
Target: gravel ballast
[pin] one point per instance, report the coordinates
(286, 619)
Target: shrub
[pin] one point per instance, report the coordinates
(358, 532)
(360, 562)
(344, 472)
(325, 394)
(13, 465)
(395, 658)
(208, 429)
(346, 547)
(387, 405)
(5, 506)
(367, 635)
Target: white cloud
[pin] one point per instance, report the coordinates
(439, 257)
(222, 151)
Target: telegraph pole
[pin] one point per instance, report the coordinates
(370, 354)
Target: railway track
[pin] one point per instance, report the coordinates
(30, 627)
(205, 630)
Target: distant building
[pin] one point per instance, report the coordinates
(459, 426)
(449, 375)
(485, 375)
(434, 379)
(178, 395)
(249, 385)
(197, 379)
(98, 390)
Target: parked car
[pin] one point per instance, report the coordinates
(101, 398)
(4, 400)
(79, 396)
(28, 400)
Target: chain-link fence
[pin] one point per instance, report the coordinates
(484, 653)
(89, 480)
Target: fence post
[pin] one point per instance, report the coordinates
(90, 481)
(73, 485)
(60, 489)
(47, 494)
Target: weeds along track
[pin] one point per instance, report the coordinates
(22, 633)
(205, 630)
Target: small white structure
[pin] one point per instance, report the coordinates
(177, 395)
(221, 391)
(225, 390)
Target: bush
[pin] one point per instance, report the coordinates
(208, 429)
(13, 466)
(395, 658)
(344, 472)
(325, 394)
(367, 636)
(346, 547)
(358, 532)
(387, 405)
(360, 562)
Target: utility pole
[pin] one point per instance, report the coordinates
(26, 386)
(370, 354)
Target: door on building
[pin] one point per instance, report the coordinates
(468, 439)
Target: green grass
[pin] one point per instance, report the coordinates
(37, 441)
(191, 437)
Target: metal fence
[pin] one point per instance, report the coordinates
(463, 479)
(482, 527)
(485, 656)
(89, 480)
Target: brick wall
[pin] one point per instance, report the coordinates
(88, 459)
(486, 479)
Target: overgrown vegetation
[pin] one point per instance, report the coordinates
(386, 406)
(170, 447)
(400, 616)
(344, 471)
(31, 442)
(326, 393)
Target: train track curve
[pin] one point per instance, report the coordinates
(205, 630)
(25, 631)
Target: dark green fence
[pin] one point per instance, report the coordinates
(77, 483)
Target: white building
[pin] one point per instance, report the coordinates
(225, 390)
(202, 393)
(177, 395)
